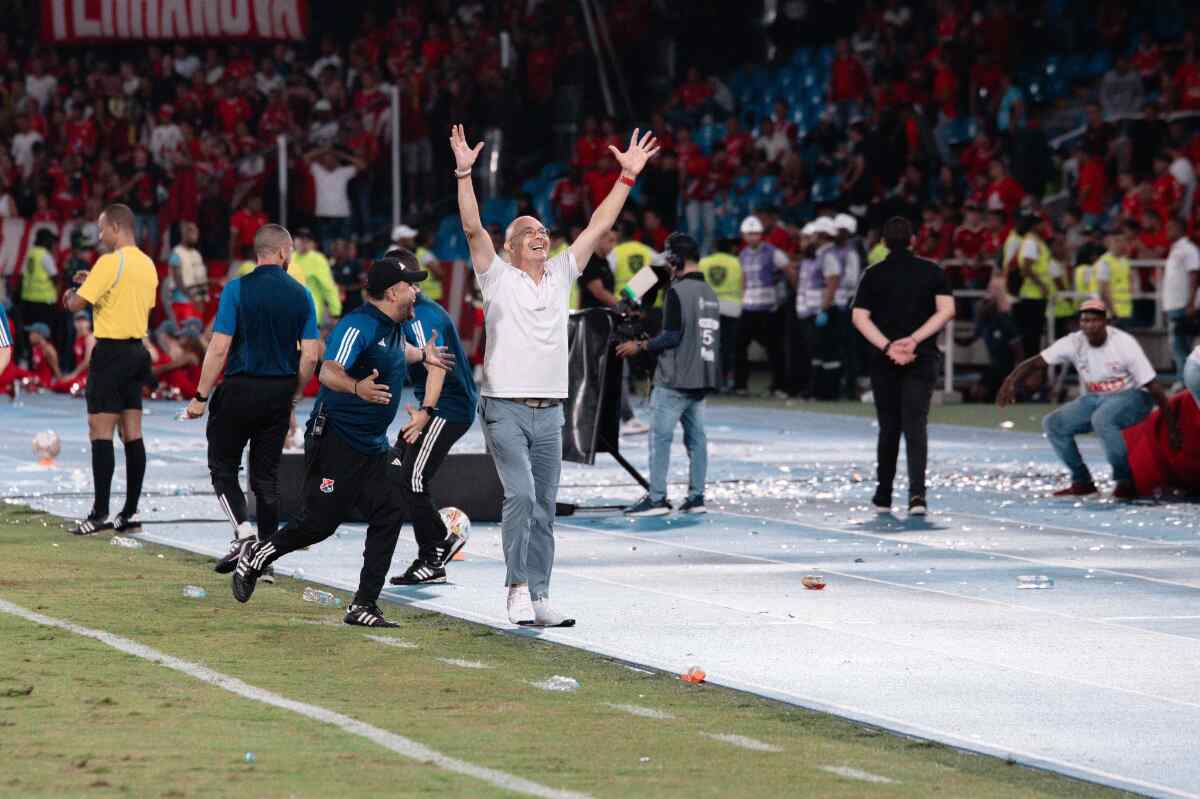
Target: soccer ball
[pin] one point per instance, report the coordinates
(46, 445)
(456, 522)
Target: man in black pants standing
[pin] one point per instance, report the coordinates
(262, 318)
(347, 460)
(901, 305)
(447, 401)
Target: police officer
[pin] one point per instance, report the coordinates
(121, 288)
(260, 320)
(901, 304)
(446, 409)
(348, 464)
(688, 350)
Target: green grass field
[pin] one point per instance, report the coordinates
(80, 718)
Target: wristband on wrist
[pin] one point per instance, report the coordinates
(429, 409)
(462, 173)
(198, 397)
(887, 347)
(628, 181)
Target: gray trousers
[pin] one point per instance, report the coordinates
(526, 444)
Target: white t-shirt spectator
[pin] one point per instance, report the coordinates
(22, 150)
(332, 199)
(186, 67)
(165, 141)
(1182, 260)
(1117, 365)
(775, 145)
(41, 88)
(526, 329)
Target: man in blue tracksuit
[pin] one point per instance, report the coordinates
(346, 452)
(446, 410)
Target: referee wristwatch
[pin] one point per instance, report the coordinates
(198, 397)
(429, 409)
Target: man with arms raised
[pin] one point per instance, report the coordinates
(525, 297)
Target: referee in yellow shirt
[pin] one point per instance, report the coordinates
(121, 288)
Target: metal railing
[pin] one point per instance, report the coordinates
(949, 345)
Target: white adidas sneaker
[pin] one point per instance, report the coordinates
(520, 608)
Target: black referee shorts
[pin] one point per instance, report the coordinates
(117, 373)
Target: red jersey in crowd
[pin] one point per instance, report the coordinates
(245, 224)
(847, 79)
(1005, 192)
(1166, 194)
(1093, 186)
(969, 242)
(694, 93)
(933, 241)
(231, 111)
(589, 150)
(567, 199)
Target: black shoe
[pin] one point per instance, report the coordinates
(249, 568)
(648, 507)
(881, 502)
(92, 525)
(421, 571)
(917, 506)
(125, 525)
(228, 561)
(448, 549)
(693, 505)
(367, 616)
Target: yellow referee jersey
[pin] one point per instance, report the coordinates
(122, 287)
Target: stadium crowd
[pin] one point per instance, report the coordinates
(939, 112)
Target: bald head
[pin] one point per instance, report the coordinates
(526, 241)
(272, 244)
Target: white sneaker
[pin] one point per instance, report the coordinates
(520, 608)
(634, 427)
(546, 616)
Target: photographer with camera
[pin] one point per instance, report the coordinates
(688, 371)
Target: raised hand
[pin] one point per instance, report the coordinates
(438, 357)
(634, 159)
(376, 393)
(464, 154)
(417, 419)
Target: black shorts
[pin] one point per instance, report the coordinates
(117, 373)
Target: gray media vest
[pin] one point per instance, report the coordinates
(695, 363)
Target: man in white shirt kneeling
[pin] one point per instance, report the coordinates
(1119, 388)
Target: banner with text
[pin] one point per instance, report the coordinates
(78, 21)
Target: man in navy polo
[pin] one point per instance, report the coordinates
(261, 319)
(346, 447)
(446, 410)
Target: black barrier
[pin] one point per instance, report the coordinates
(592, 413)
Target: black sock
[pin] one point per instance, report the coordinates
(135, 470)
(103, 463)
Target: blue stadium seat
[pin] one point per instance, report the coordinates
(544, 208)
(498, 211)
(450, 244)
(708, 136)
(553, 171)
(1098, 64)
(826, 188)
(802, 57)
(825, 56)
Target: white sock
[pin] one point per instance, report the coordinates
(245, 530)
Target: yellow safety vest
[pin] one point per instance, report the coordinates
(431, 286)
(1064, 306)
(1085, 280)
(1120, 284)
(723, 272)
(245, 268)
(631, 257)
(878, 253)
(1041, 267)
(36, 283)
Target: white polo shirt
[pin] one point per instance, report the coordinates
(526, 329)
(1117, 365)
(1182, 260)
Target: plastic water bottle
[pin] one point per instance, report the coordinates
(127, 543)
(323, 598)
(1034, 581)
(194, 592)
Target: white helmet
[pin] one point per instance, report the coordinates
(824, 225)
(846, 222)
(752, 224)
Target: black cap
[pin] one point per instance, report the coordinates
(387, 272)
(305, 233)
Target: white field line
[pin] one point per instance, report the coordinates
(464, 664)
(857, 774)
(643, 712)
(405, 747)
(396, 642)
(742, 741)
